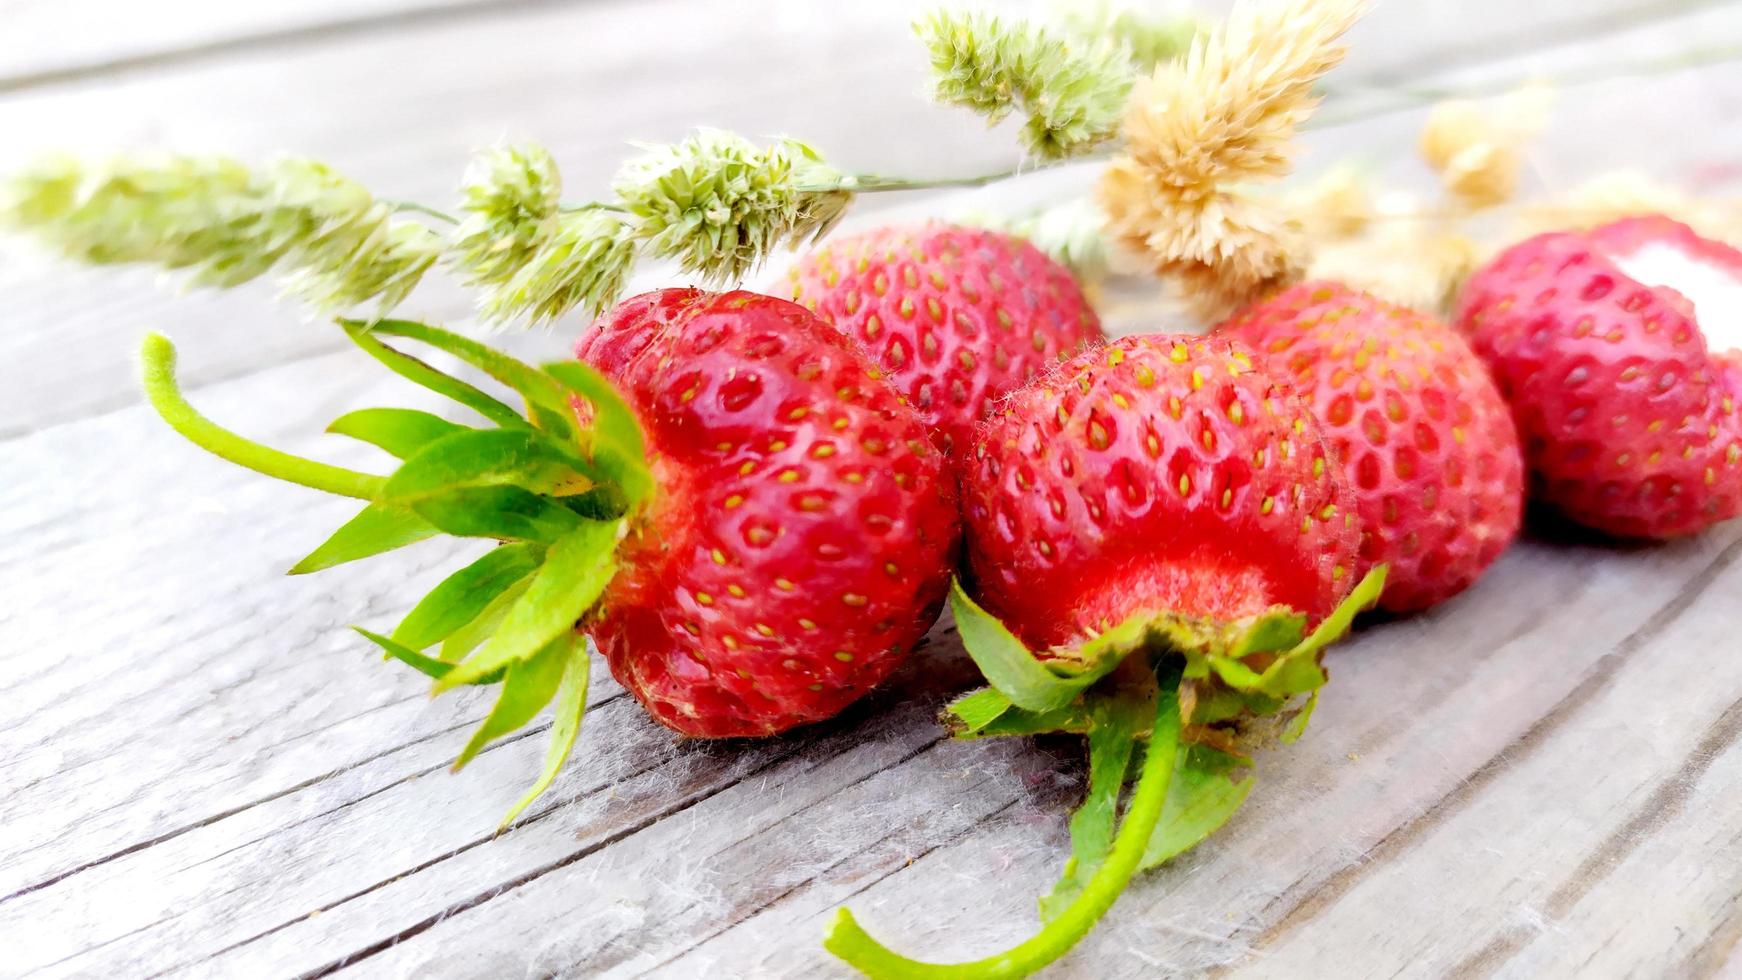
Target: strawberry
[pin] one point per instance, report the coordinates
(957, 316)
(744, 516)
(1617, 349)
(1422, 433)
(803, 543)
(1151, 530)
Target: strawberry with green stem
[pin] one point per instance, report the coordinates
(737, 508)
(1160, 550)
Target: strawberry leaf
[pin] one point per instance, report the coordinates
(492, 457)
(464, 595)
(426, 665)
(971, 712)
(1202, 797)
(1009, 665)
(377, 528)
(468, 637)
(1296, 668)
(545, 400)
(618, 445)
(573, 577)
(527, 687)
(399, 431)
(436, 380)
(505, 513)
(571, 704)
(986, 714)
(1113, 727)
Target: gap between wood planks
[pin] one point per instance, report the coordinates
(1329, 891)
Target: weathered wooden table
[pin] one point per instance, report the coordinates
(201, 772)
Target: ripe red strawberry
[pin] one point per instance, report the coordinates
(1617, 349)
(957, 316)
(1160, 473)
(1423, 434)
(803, 540)
(1155, 525)
(735, 505)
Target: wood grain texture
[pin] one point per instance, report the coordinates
(202, 773)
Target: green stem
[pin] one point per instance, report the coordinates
(872, 183)
(852, 943)
(425, 209)
(157, 356)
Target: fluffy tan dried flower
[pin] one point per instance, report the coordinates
(1475, 149)
(1338, 205)
(1405, 257)
(1201, 126)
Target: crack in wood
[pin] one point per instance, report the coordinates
(1331, 889)
(268, 798)
(549, 808)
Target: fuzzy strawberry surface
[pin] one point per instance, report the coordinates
(1156, 474)
(802, 536)
(1423, 434)
(1630, 424)
(957, 316)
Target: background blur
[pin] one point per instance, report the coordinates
(397, 92)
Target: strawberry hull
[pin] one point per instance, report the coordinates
(1629, 421)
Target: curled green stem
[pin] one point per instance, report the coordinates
(852, 943)
(157, 359)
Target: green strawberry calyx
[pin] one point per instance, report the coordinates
(1193, 697)
(558, 488)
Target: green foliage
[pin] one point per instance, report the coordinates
(571, 705)
(545, 487)
(377, 529)
(399, 432)
(226, 224)
(1114, 725)
(719, 204)
(1071, 90)
(582, 262)
(509, 198)
(464, 595)
(1150, 39)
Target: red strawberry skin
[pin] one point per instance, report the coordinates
(804, 531)
(1155, 474)
(1629, 423)
(957, 316)
(1420, 429)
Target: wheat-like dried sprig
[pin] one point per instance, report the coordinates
(226, 224)
(1200, 128)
